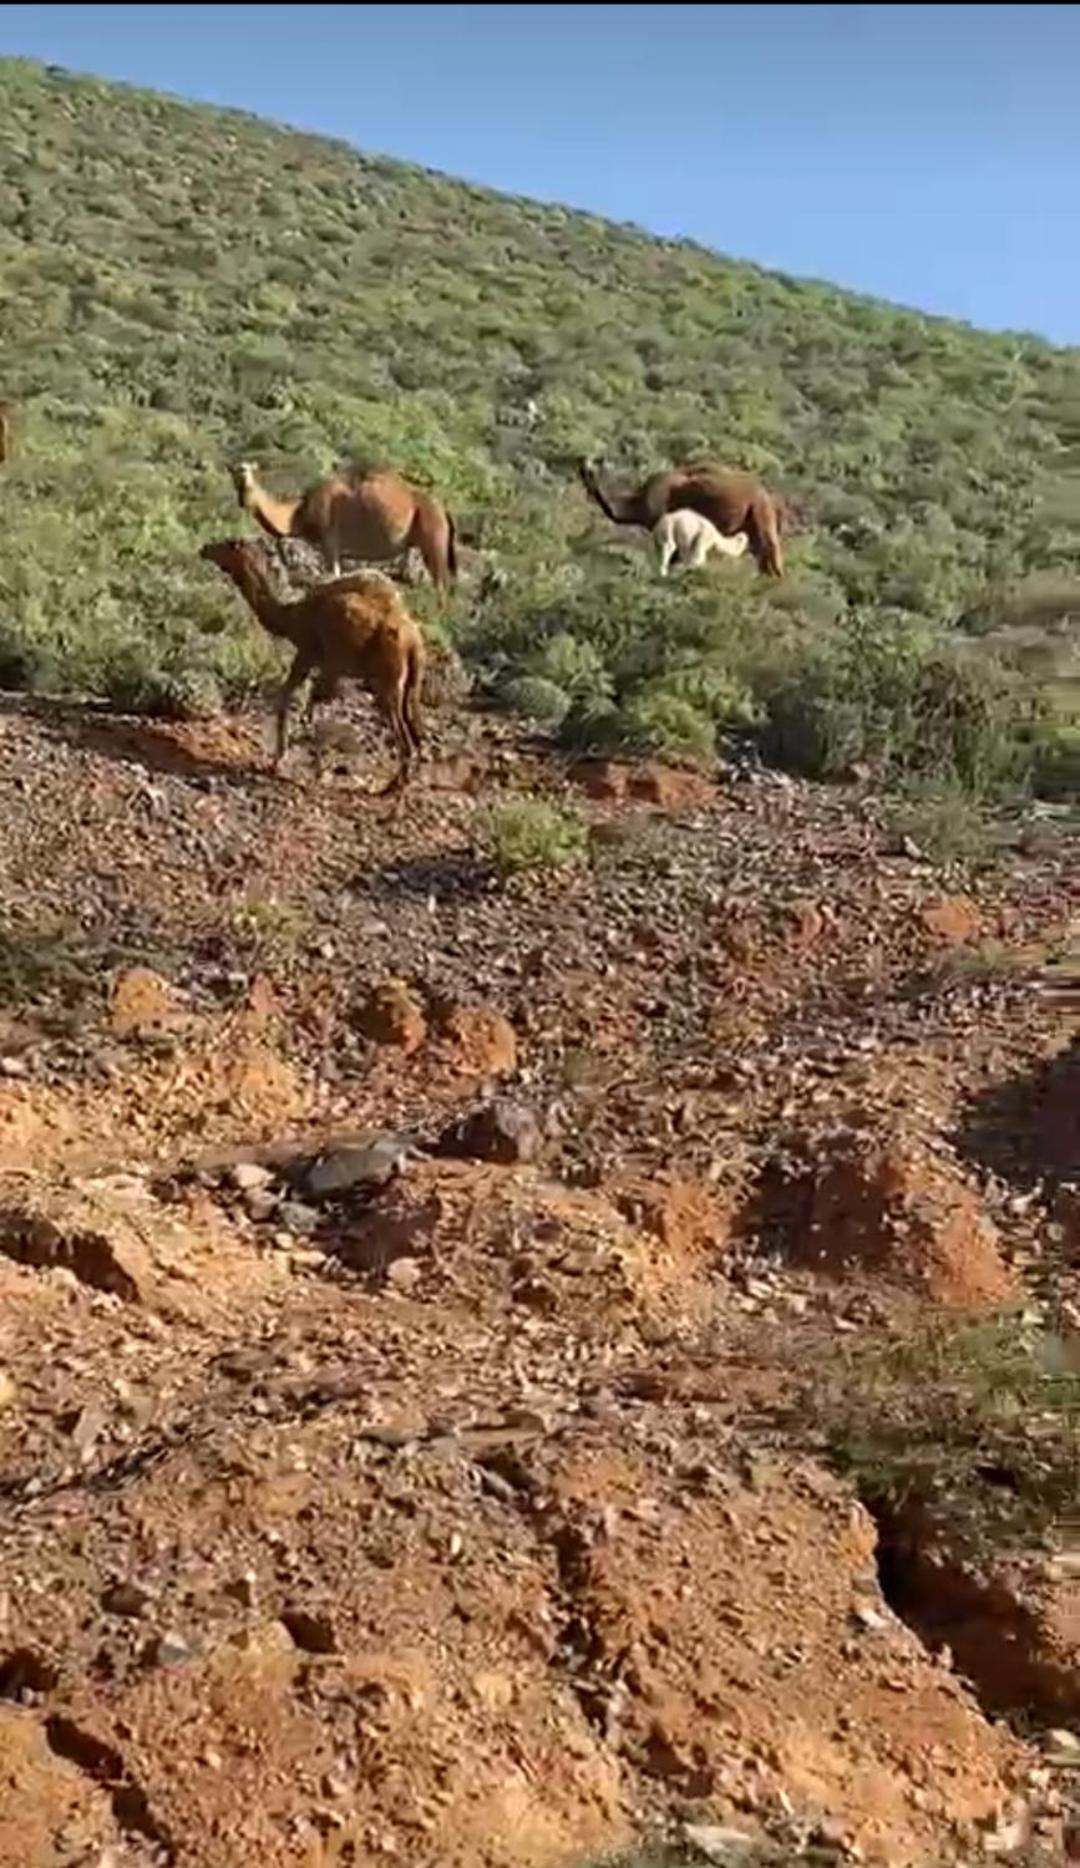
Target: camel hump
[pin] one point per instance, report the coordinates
(361, 468)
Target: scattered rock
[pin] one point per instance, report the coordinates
(142, 1004)
(87, 1428)
(115, 1261)
(171, 1650)
(670, 787)
(392, 1015)
(250, 1176)
(298, 1219)
(951, 919)
(9, 1390)
(602, 779)
(726, 1847)
(370, 1165)
(501, 1131)
(126, 1599)
(405, 1274)
(479, 1041)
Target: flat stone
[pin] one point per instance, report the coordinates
(371, 1165)
(171, 1649)
(250, 1176)
(298, 1220)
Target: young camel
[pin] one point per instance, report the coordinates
(373, 515)
(356, 628)
(689, 538)
(734, 502)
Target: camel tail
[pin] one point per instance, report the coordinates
(451, 548)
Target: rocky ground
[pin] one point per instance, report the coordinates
(428, 1301)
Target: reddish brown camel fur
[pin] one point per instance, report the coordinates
(734, 502)
(371, 515)
(357, 628)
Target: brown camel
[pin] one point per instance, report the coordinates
(5, 432)
(734, 502)
(372, 515)
(355, 629)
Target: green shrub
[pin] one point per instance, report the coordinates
(924, 1416)
(1054, 753)
(899, 699)
(943, 820)
(536, 698)
(180, 694)
(577, 668)
(596, 727)
(663, 723)
(530, 833)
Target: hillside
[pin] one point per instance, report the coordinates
(538, 1328)
(180, 285)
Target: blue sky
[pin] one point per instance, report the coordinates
(927, 154)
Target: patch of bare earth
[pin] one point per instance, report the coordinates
(408, 1281)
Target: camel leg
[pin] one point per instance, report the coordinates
(322, 689)
(764, 535)
(667, 552)
(699, 551)
(393, 712)
(434, 553)
(297, 675)
(410, 708)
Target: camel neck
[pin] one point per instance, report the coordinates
(274, 515)
(614, 505)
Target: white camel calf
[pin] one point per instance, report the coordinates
(689, 537)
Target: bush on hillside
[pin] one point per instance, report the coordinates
(897, 699)
(156, 324)
(531, 833)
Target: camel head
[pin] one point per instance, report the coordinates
(229, 554)
(243, 476)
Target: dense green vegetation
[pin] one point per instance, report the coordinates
(179, 286)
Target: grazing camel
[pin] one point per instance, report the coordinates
(356, 628)
(689, 538)
(373, 515)
(734, 502)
